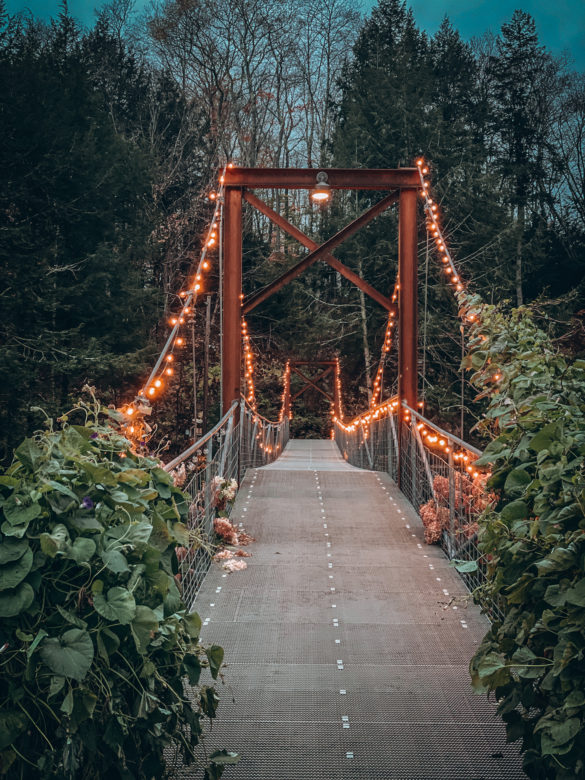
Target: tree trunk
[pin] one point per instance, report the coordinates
(519, 250)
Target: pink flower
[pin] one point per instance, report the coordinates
(235, 565)
(225, 530)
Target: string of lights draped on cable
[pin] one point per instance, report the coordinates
(432, 438)
(434, 228)
(285, 397)
(163, 368)
(248, 367)
(386, 346)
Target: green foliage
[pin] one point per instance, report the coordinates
(96, 643)
(533, 541)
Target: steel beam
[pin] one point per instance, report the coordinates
(318, 253)
(407, 298)
(338, 178)
(232, 304)
(302, 238)
(312, 382)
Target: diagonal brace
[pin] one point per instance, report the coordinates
(303, 239)
(312, 383)
(320, 252)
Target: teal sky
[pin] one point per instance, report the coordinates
(560, 23)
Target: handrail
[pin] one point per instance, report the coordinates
(257, 414)
(446, 434)
(203, 440)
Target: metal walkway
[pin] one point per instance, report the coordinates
(347, 639)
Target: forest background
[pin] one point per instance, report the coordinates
(113, 137)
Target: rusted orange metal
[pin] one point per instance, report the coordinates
(338, 178)
(320, 252)
(408, 299)
(232, 302)
(303, 239)
(407, 183)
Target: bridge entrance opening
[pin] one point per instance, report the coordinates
(402, 184)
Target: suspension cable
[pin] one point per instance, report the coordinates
(386, 346)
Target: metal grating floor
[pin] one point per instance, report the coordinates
(346, 639)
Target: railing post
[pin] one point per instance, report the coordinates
(208, 470)
(413, 467)
(452, 551)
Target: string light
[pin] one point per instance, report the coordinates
(188, 298)
(285, 398)
(248, 367)
(434, 228)
(386, 346)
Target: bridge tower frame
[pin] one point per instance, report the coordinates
(403, 185)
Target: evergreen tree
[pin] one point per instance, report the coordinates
(77, 304)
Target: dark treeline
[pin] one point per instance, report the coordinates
(113, 135)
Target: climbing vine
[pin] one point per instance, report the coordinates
(533, 539)
(95, 642)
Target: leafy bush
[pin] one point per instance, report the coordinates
(534, 541)
(95, 642)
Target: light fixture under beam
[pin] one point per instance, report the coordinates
(322, 191)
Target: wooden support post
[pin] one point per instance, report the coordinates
(232, 288)
(407, 297)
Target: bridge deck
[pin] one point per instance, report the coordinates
(347, 639)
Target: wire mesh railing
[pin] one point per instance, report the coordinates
(433, 468)
(242, 439)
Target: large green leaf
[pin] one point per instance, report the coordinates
(29, 453)
(69, 655)
(99, 474)
(143, 627)
(115, 561)
(13, 602)
(192, 666)
(515, 510)
(12, 550)
(131, 533)
(11, 725)
(215, 657)
(576, 595)
(133, 476)
(516, 481)
(544, 438)
(19, 511)
(192, 623)
(57, 541)
(11, 574)
(560, 559)
(118, 606)
(82, 549)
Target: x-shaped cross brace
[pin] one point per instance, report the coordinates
(312, 382)
(319, 252)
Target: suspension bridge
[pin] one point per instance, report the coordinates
(347, 636)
